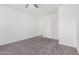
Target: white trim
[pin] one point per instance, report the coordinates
(78, 50)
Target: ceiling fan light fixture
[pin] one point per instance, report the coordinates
(36, 5)
(27, 5)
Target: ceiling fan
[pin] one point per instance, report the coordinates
(26, 6)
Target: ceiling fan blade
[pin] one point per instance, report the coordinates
(36, 5)
(26, 6)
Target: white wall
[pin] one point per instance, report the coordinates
(68, 25)
(77, 14)
(48, 26)
(15, 25)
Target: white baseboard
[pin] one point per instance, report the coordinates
(65, 43)
(9, 42)
(50, 37)
(78, 50)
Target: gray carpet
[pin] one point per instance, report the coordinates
(37, 46)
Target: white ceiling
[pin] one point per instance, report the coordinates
(44, 9)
